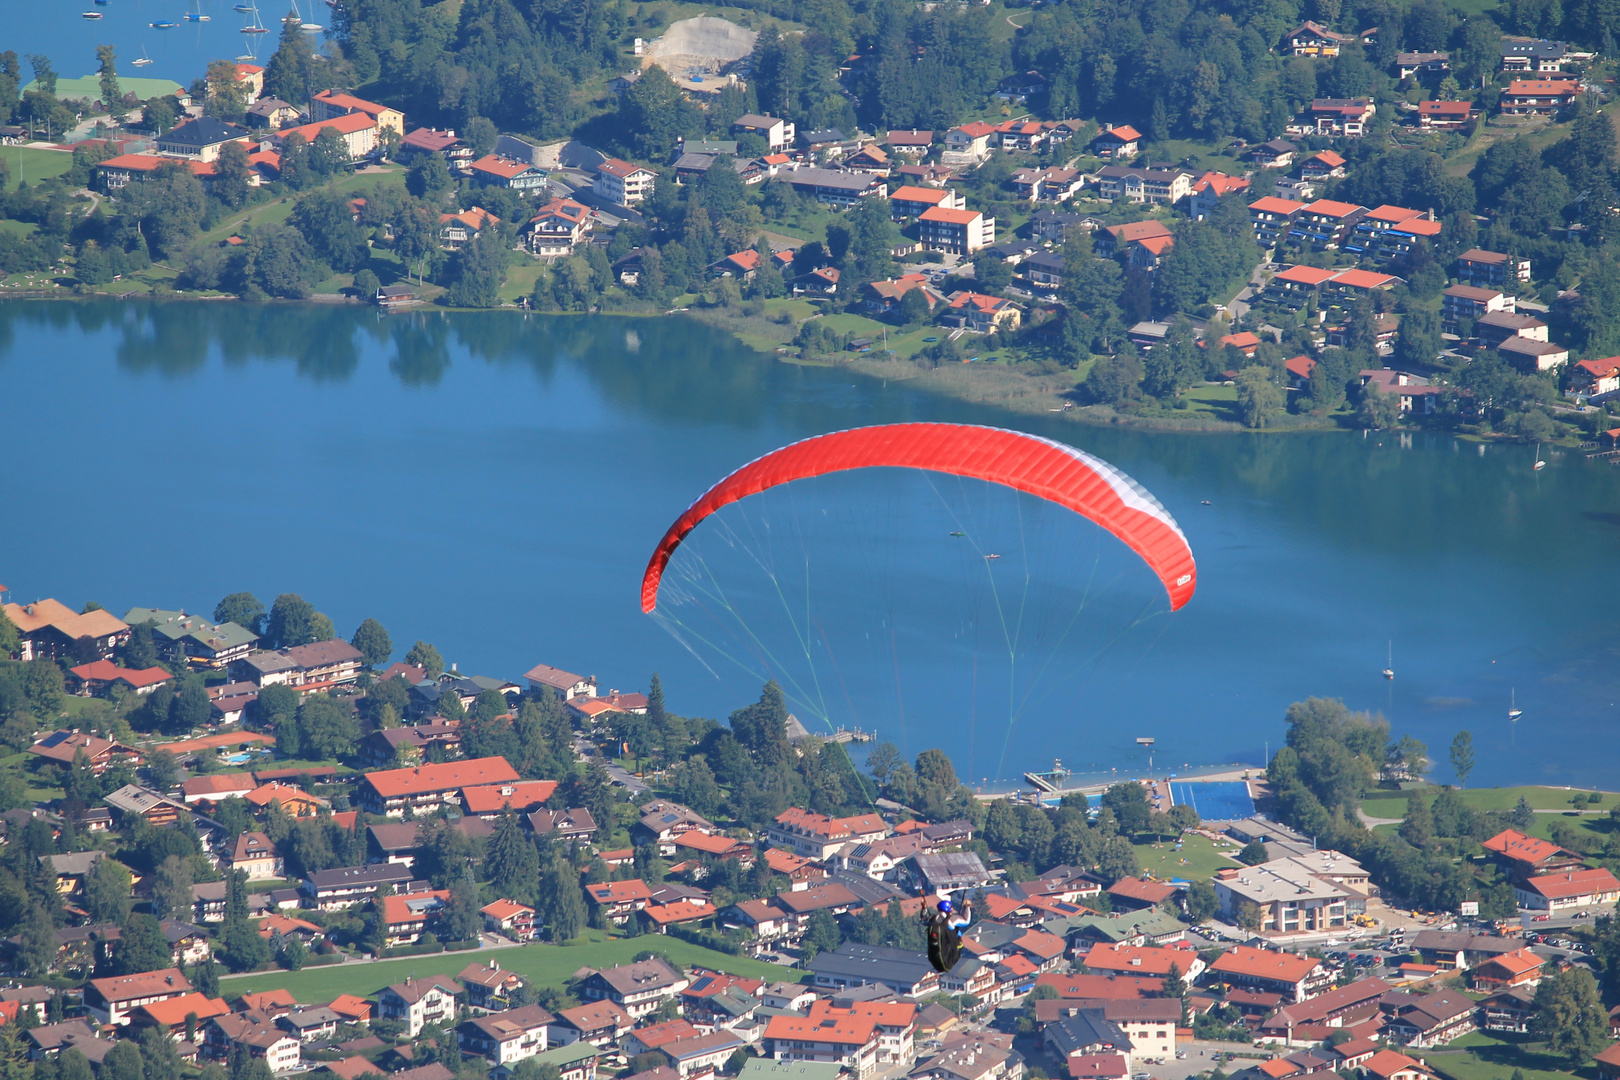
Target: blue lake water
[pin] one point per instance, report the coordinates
(57, 29)
(494, 483)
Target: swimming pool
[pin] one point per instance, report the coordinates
(1218, 800)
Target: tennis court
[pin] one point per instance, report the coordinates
(1218, 800)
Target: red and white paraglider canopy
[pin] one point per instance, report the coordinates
(1049, 470)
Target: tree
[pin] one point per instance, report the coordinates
(162, 771)
(189, 709)
(1418, 339)
(327, 728)
(427, 658)
(1259, 397)
(1118, 860)
(1176, 987)
(462, 918)
(112, 95)
(327, 221)
(372, 640)
(289, 75)
(652, 112)
(1522, 816)
(1202, 902)
(243, 609)
(294, 621)
(1462, 756)
(106, 892)
(226, 92)
(171, 889)
(159, 1056)
(478, 270)
(1253, 854)
(1418, 827)
(328, 153)
(168, 208)
(157, 113)
(429, 178)
(872, 237)
(231, 173)
(44, 74)
(821, 934)
(1569, 1016)
(36, 949)
(561, 901)
(123, 1062)
(510, 859)
(1378, 410)
(142, 947)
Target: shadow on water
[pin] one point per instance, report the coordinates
(1393, 495)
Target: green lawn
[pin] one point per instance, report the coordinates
(1491, 1057)
(34, 165)
(520, 277)
(1197, 860)
(544, 965)
(1392, 804)
(1217, 402)
(272, 212)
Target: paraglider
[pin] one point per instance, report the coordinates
(944, 926)
(1041, 467)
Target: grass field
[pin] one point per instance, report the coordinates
(34, 165)
(272, 212)
(1392, 804)
(1490, 1057)
(544, 965)
(1216, 402)
(1197, 860)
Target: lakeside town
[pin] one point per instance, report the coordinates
(1249, 281)
(216, 829)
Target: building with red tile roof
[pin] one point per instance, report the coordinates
(1393, 1065)
(520, 797)
(1132, 893)
(100, 676)
(1572, 888)
(358, 131)
(391, 790)
(492, 170)
(1295, 977)
(330, 104)
(1526, 856)
(1155, 960)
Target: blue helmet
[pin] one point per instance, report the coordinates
(945, 906)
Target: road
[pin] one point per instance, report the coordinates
(486, 943)
(1240, 305)
(587, 751)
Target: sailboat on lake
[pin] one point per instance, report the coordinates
(1514, 712)
(1389, 669)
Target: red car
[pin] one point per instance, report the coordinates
(1541, 918)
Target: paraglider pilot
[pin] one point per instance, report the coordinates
(944, 925)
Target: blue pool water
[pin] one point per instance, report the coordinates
(1218, 800)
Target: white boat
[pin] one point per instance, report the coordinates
(1389, 671)
(1539, 465)
(308, 27)
(144, 59)
(990, 556)
(92, 14)
(1514, 712)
